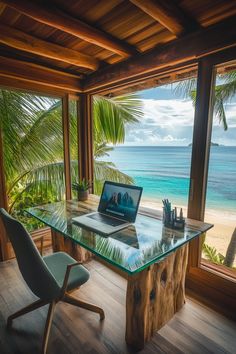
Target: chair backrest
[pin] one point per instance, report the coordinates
(32, 266)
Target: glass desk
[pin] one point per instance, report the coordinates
(153, 256)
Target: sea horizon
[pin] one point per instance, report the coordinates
(159, 146)
(166, 174)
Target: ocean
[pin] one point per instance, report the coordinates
(164, 172)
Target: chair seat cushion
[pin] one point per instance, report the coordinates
(57, 264)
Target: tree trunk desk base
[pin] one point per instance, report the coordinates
(154, 295)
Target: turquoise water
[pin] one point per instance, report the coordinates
(163, 172)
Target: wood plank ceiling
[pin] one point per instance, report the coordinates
(83, 37)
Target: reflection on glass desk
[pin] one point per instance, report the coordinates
(131, 249)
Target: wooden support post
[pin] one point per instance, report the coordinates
(66, 144)
(154, 296)
(4, 251)
(201, 141)
(85, 134)
(200, 153)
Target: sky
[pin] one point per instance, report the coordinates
(168, 121)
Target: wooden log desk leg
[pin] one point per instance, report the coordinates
(60, 243)
(154, 295)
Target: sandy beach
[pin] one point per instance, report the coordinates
(224, 224)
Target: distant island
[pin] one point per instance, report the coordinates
(212, 144)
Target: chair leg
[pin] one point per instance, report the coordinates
(85, 305)
(29, 308)
(48, 326)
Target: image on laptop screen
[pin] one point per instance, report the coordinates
(120, 201)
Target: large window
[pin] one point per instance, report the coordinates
(220, 243)
(156, 151)
(33, 151)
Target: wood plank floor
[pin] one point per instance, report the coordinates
(194, 330)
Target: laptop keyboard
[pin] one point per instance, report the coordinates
(107, 220)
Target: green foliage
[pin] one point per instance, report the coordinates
(81, 185)
(212, 255)
(27, 200)
(107, 171)
(111, 114)
(33, 146)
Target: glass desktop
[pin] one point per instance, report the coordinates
(131, 249)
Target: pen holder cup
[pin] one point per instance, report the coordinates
(166, 218)
(169, 221)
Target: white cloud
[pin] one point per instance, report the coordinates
(170, 122)
(165, 122)
(171, 138)
(168, 112)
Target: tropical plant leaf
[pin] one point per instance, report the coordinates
(212, 255)
(185, 88)
(18, 114)
(112, 114)
(103, 171)
(101, 149)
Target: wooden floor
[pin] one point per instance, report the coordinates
(195, 329)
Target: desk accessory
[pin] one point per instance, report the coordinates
(170, 216)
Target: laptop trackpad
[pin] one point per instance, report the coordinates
(106, 219)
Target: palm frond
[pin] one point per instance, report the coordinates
(212, 255)
(103, 171)
(18, 113)
(101, 149)
(111, 115)
(41, 181)
(223, 94)
(185, 88)
(220, 111)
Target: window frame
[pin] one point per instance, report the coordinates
(215, 288)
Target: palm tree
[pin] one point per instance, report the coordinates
(225, 90)
(33, 148)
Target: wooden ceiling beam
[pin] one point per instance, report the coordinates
(38, 75)
(54, 17)
(169, 14)
(16, 83)
(152, 80)
(20, 40)
(188, 48)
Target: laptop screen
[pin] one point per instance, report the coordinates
(120, 200)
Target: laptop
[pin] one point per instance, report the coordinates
(118, 207)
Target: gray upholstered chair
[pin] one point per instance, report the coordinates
(50, 278)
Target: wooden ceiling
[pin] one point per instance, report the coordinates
(73, 41)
